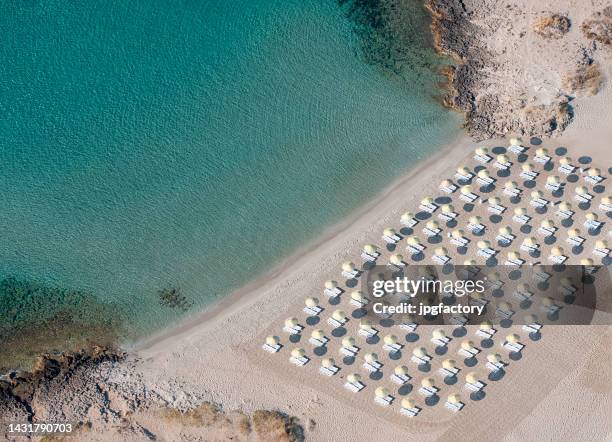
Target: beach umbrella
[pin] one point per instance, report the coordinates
(427, 382)
(462, 170)
(592, 216)
(272, 340)
(547, 301)
(493, 201)
(503, 159)
(466, 190)
(381, 392)
(291, 322)
(504, 306)
(513, 337)
(486, 325)
(594, 171)
(427, 201)
(348, 266)
(607, 200)
(483, 244)
(371, 357)
(601, 244)
(407, 216)
(396, 259)
(469, 262)
(438, 333)
(357, 296)
(446, 183)
(553, 179)
(370, 248)
(557, 251)
(547, 224)
(412, 240)
(493, 277)
(527, 167)
(389, 232)
(481, 151)
(537, 194)
(515, 141)
(531, 319)
(433, 224)
(467, 345)
(573, 233)
(565, 161)
(365, 324)
(328, 362)
(446, 208)
(581, 190)
(331, 284)
(530, 241)
(390, 339)
(520, 211)
(318, 334)
(449, 364)
(542, 152)
(401, 370)
(484, 173)
(565, 282)
(514, 256)
(476, 295)
(475, 220)
(453, 398)
(458, 234)
(565, 206)
(348, 341)
(298, 353)
(339, 315)
(588, 262)
(510, 185)
(472, 377)
(419, 352)
(312, 302)
(353, 378)
(522, 287)
(440, 251)
(494, 358)
(408, 403)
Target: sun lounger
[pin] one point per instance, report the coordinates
(313, 311)
(557, 259)
(539, 202)
(505, 239)
(564, 214)
(476, 386)
(516, 148)
(385, 401)
(409, 222)
(479, 302)
(400, 379)
(415, 249)
(568, 290)
(299, 361)
(530, 249)
(593, 180)
(332, 293)
(271, 348)
(502, 166)
(446, 217)
(335, 323)
(496, 209)
(359, 302)
(429, 208)
(550, 309)
(468, 197)
(464, 177)
(354, 386)
(566, 169)
(408, 326)
(541, 276)
(486, 334)
(602, 252)
(441, 342)
(296, 329)
(448, 189)
(515, 262)
(547, 231)
(493, 285)
(522, 295)
(350, 275)
(514, 192)
(367, 257)
(458, 320)
(484, 159)
(472, 352)
(513, 346)
(586, 198)
(542, 159)
(449, 371)
(420, 360)
(532, 328)
(495, 366)
(392, 348)
(432, 232)
(441, 259)
(475, 228)
(485, 181)
(410, 412)
(368, 332)
(521, 219)
(391, 239)
(349, 351)
(329, 371)
(575, 240)
(592, 224)
(504, 314)
(529, 175)
(318, 342)
(372, 366)
(606, 207)
(428, 391)
(553, 187)
(486, 253)
(460, 242)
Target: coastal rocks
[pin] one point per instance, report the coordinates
(599, 27)
(552, 26)
(586, 79)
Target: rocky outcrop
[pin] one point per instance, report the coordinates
(552, 26)
(599, 27)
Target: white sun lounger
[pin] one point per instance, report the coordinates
(335, 323)
(515, 262)
(575, 240)
(497, 209)
(421, 360)
(462, 177)
(522, 295)
(458, 320)
(531, 176)
(592, 224)
(428, 391)
(271, 348)
(541, 276)
(472, 352)
(461, 242)
(429, 208)
(431, 232)
(479, 302)
(513, 346)
(512, 192)
(502, 166)
(486, 334)
(354, 387)
(367, 257)
(329, 371)
(476, 386)
(557, 259)
(468, 197)
(446, 217)
(516, 148)
(318, 342)
(564, 214)
(441, 342)
(359, 303)
(372, 366)
(409, 222)
(384, 401)
(539, 202)
(522, 219)
(449, 371)
(547, 231)
(392, 348)
(448, 189)
(416, 249)
(400, 379)
(484, 159)
(530, 249)
(475, 228)
(552, 187)
(293, 330)
(593, 180)
(486, 253)
(550, 309)
(495, 366)
(313, 311)
(408, 326)
(493, 285)
(566, 169)
(349, 351)
(393, 239)
(542, 159)
(410, 412)
(332, 293)
(299, 361)
(601, 252)
(532, 328)
(504, 314)
(351, 275)
(440, 259)
(505, 239)
(568, 290)
(606, 207)
(368, 332)
(485, 181)
(586, 198)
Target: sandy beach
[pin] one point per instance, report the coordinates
(559, 389)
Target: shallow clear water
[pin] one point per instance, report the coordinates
(189, 145)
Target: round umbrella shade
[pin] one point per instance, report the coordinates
(388, 232)
(586, 262)
(494, 358)
(381, 392)
(298, 352)
(357, 296)
(466, 189)
(419, 352)
(390, 339)
(439, 334)
(328, 362)
(339, 315)
(481, 150)
(494, 200)
(486, 325)
(348, 266)
(449, 364)
(330, 284)
(440, 251)
(528, 167)
(454, 398)
(565, 161)
(318, 334)
(472, 377)
(348, 341)
(594, 172)
(291, 322)
(407, 216)
(353, 378)
(515, 141)
(484, 173)
(467, 345)
(427, 382)
(513, 337)
(371, 357)
(553, 179)
(370, 248)
(312, 302)
(408, 403)
(396, 259)
(520, 211)
(272, 340)
(542, 152)
(401, 370)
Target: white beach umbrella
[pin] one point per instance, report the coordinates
(438, 333)
(528, 167)
(513, 337)
(318, 334)
(428, 382)
(449, 364)
(298, 353)
(389, 232)
(541, 152)
(484, 244)
(339, 315)
(407, 216)
(272, 340)
(396, 259)
(494, 358)
(419, 352)
(481, 151)
(408, 403)
(331, 284)
(381, 392)
(454, 398)
(348, 266)
(312, 302)
(520, 211)
(291, 322)
(472, 377)
(371, 357)
(467, 345)
(390, 339)
(401, 370)
(486, 325)
(370, 248)
(328, 362)
(353, 378)
(348, 342)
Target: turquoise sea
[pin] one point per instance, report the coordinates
(187, 146)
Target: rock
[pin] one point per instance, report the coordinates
(552, 26)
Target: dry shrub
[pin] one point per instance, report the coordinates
(599, 28)
(205, 415)
(586, 79)
(553, 26)
(274, 426)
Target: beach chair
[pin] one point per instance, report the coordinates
(408, 326)
(494, 284)
(313, 311)
(593, 179)
(512, 192)
(430, 232)
(486, 252)
(550, 309)
(440, 259)
(475, 386)
(464, 176)
(446, 217)
(468, 352)
(355, 387)
(332, 292)
(479, 302)
(564, 214)
(428, 391)
(529, 175)
(541, 276)
(566, 169)
(557, 259)
(504, 313)
(351, 274)
(532, 328)
(409, 222)
(486, 333)
(384, 401)
(429, 208)
(447, 187)
(542, 159)
(410, 412)
(502, 165)
(547, 231)
(300, 361)
(516, 347)
(392, 348)
(530, 248)
(522, 294)
(505, 239)
(583, 198)
(373, 366)
(458, 320)
(521, 219)
(367, 257)
(468, 197)
(293, 330)
(336, 322)
(271, 348)
(592, 224)
(350, 351)
(329, 371)
(482, 158)
(421, 360)
(567, 288)
(475, 227)
(605, 205)
(496, 209)
(368, 332)
(485, 180)
(441, 341)
(415, 249)
(539, 202)
(601, 250)
(449, 371)
(400, 379)
(360, 303)
(391, 239)
(459, 242)
(516, 148)
(515, 262)
(495, 366)
(575, 240)
(318, 342)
